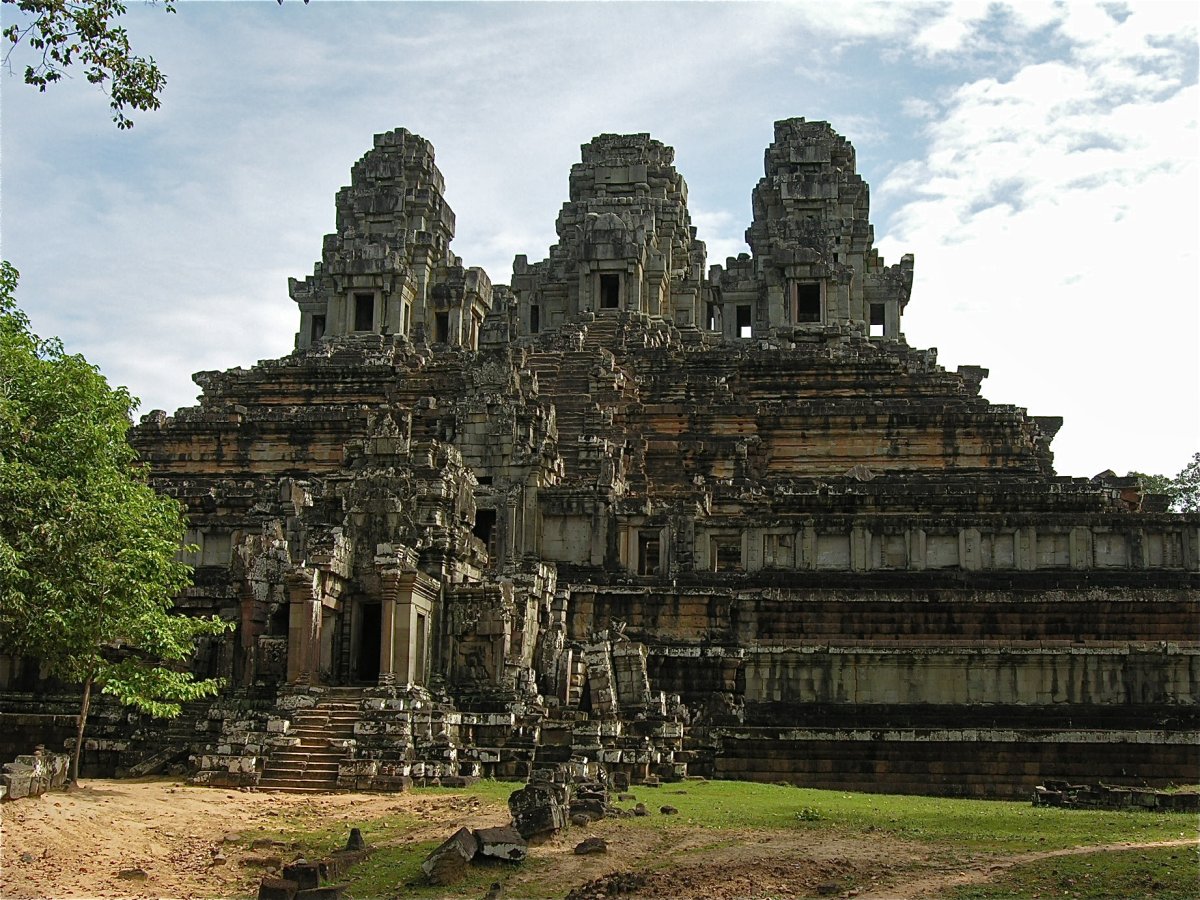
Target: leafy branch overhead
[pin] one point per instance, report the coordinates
(85, 33)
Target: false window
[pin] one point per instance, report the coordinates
(808, 302)
(744, 319)
(727, 554)
(318, 328)
(610, 291)
(535, 318)
(441, 327)
(876, 320)
(649, 547)
(779, 550)
(364, 312)
(405, 316)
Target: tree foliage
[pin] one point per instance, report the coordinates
(85, 33)
(88, 551)
(1183, 489)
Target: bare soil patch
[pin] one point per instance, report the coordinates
(156, 839)
(153, 839)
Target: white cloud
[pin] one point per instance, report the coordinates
(165, 251)
(1055, 222)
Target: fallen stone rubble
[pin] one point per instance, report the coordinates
(1105, 796)
(553, 800)
(304, 880)
(33, 774)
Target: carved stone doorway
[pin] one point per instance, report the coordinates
(366, 657)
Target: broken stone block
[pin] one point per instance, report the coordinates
(668, 810)
(640, 810)
(591, 807)
(448, 863)
(277, 889)
(503, 842)
(591, 845)
(538, 809)
(306, 875)
(356, 841)
(324, 892)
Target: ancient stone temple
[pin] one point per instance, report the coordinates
(671, 520)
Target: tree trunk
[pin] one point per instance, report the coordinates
(83, 714)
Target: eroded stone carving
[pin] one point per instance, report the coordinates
(626, 516)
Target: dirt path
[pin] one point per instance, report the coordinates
(930, 885)
(154, 839)
(169, 839)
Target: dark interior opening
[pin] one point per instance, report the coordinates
(535, 319)
(419, 653)
(441, 327)
(318, 327)
(808, 302)
(744, 319)
(876, 320)
(713, 317)
(610, 291)
(280, 619)
(369, 634)
(485, 528)
(364, 312)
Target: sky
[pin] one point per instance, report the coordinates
(1038, 158)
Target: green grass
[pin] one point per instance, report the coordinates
(970, 829)
(1163, 873)
(981, 825)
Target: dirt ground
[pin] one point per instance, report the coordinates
(156, 839)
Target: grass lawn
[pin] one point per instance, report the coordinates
(716, 814)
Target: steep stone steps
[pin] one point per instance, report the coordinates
(312, 764)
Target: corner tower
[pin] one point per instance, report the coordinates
(812, 262)
(388, 269)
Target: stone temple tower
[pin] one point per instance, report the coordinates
(625, 241)
(632, 515)
(812, 263)
(389, 269)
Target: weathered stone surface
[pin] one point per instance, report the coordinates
(34, 774)
(591, 845)
(565, 524)
(277, 889)
(539, 809)
(503, 842)
(306, 875)
(448, 863)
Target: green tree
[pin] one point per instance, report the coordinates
(1185, 487)
(1152, 484)
(85, 33)
(88, 551)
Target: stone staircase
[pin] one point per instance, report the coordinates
(312, 765)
